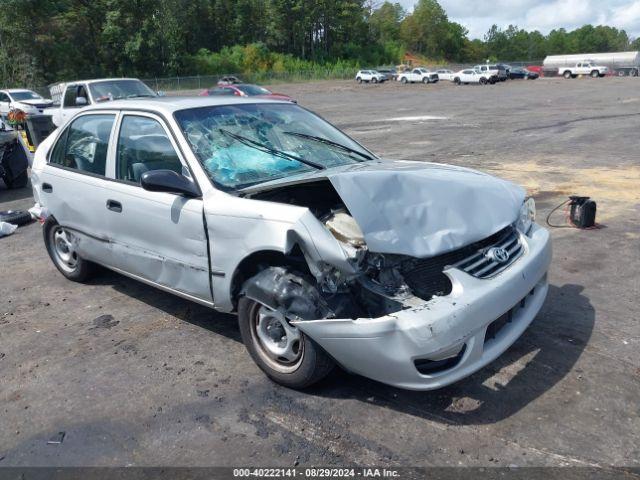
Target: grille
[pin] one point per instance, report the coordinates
(424, 275)
(482, 266)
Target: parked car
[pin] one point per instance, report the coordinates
(468, 76)
(28, 101)
(492, 70)
(422, 75)
(246, 90)
(584, 68)
(80, 94)
(372, 76)
(444, 74)
(263, 209)
(14, 159)
(520, 72)
(229, 80)
(389, 74)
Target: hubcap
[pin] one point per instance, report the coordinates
(279, 343)
(64, 249)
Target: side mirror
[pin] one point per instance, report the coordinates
(81, 101)
(170, 182)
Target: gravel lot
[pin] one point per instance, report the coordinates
(135, 376)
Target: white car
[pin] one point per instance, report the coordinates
(26, 100)
(410, 273)
(584, 68)
(468, 76)
(372, 76)
(420, 74)
(82, 93)
(444, 74)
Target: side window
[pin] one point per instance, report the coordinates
(83, 146)
(143, 145)
(70, 96)
(4, 97)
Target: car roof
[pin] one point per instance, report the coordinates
(97, 80)
(169, 105)
(16, 90)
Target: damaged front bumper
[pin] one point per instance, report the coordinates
(447, 338)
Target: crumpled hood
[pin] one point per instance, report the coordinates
(425, 209)
(36, 102)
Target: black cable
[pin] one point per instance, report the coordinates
(553, 211)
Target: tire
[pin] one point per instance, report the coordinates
(595, 74)
(20, 181)
(16, 217)
(483, 81)
(567, 75)
(68, 262)
(374, 80)
(404, 80)
(621, 73)
(425, 80)
(311, 363)
(633, 73)
(456, 81)
(359, 80)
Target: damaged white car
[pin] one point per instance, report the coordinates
(413, 274)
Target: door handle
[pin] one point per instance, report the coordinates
(46, 187)
(114, 206)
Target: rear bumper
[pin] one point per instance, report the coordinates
(452, 327)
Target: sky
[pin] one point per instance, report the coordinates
(544, 15)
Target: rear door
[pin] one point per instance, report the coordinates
(73, 183)
(158, 237)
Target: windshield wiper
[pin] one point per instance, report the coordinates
(326, 141)
(267, 149)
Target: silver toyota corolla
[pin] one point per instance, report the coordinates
(410, 273)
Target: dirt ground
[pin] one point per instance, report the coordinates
(135, 376)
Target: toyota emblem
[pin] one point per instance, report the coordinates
(497, 254)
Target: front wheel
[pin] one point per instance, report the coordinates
(403, 80)
(359, 80)
(280, 349)
(595, 74)
(374, 80)
(483, 81)
(62, 248)
(456, 81)
(425, 80)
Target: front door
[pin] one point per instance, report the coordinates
(157, 236)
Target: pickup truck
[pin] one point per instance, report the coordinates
(586, 67)
(418, 75)
(73, 96)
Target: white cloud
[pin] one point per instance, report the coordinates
(544, 15)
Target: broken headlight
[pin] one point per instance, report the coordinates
(526, 216)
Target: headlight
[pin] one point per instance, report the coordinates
(527, 215)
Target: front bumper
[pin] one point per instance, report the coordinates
(386, 348)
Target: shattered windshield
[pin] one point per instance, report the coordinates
(245, 144)
(117, 89)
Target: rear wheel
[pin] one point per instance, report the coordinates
(567, 75)
(20, 181)
(483, 81)
(425, 80)
(62, 248)
(403, 80)
(633, 73)
(280, 349)
(621, 73)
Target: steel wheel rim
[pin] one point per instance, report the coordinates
(64, 249)
(277, 342)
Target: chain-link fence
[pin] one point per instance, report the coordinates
(195, 83)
